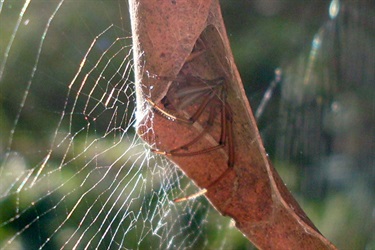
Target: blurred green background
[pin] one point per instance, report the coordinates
(318, 126)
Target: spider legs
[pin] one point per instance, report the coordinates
(226, 137)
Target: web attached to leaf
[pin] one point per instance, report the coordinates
(74, 175)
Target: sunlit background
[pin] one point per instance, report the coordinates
(73, 173)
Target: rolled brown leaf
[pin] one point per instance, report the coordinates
(174, 42)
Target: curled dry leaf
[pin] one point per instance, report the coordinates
(192, 108)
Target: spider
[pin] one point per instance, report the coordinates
(210, 96)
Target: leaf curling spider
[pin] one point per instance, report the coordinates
(214, 96)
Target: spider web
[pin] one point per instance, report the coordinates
(73, 173)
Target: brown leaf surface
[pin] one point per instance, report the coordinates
(252, 193)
